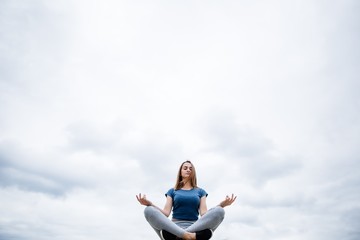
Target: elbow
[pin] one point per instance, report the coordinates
(167, 214)
(202, 213)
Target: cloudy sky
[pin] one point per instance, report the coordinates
(101, 100)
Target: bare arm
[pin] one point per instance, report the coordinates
(167, 208)
(203, 206)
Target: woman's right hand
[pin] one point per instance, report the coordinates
(142, 200)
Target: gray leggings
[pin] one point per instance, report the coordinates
(210, 220)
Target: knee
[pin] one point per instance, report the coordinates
(149, 211)
(220, 212)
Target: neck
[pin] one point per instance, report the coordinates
(187, 184)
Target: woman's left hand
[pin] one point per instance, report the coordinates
(228, 201)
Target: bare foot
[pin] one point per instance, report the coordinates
(189, 236)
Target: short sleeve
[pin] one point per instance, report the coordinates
(202, 193)
(170, 193)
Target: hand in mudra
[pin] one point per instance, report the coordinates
(228, 201)
(142, 200)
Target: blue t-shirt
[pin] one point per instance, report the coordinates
(186, 203)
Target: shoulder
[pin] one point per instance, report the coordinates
(201, 192)
(170, 192)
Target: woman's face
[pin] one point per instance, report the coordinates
(186, 170)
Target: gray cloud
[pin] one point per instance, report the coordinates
(254, 154)
(17, 170)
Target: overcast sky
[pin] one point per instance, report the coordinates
(102, 100)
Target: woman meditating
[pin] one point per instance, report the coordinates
(186, 201)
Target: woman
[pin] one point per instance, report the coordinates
(186, 201)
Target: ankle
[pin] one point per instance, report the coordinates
(189, 236)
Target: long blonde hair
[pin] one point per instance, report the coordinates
(179, 181)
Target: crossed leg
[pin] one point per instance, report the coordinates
(158, 221)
